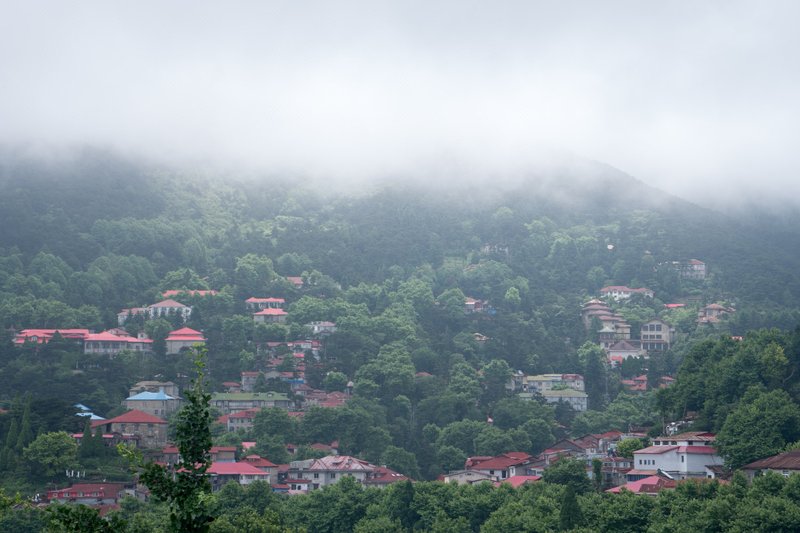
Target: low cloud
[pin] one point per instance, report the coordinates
(696, 98)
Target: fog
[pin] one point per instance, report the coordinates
(697, 98)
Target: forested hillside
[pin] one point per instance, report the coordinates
(392, 265)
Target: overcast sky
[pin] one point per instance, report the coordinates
(691, 96)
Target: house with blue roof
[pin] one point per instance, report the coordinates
(157, 403)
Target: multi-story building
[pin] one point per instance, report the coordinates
(183, 338)
(158, 403)
(656, 336)
(682, 456)
(149, 431)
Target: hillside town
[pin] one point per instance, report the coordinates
(648, 465)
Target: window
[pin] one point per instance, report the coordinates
(683, 458)
(316, 476)
(333, 475)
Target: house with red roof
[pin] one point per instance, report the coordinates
(499, 467)
(43, 336)
(383, 477)
(183, 338)
(242, 473)
(91, 494)
(636, 384)
(148, 430)
(111, 343)
(270, 316)
(682, 456)
(330, 469)
(650, 485)
(259, 304)
(518, 480)
(263, 464)
(297, 281)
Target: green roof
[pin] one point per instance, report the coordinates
(245, 396)
(564, 393)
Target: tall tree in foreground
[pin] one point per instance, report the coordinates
(184, 487)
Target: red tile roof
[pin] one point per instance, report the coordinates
(235, 469)
(648, 485)
(499, 462)
(186, 334)
(271, 311)
(133, 416)
(167, 303)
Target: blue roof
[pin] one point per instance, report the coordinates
(146, 395)
(91, 416)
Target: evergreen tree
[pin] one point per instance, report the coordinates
(570, 515)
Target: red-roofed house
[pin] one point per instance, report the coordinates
(637, 384)
(259, 304)
(681, 456)
(650, 485)
(167, 308)
(242, 473)
(270, 316)
(265, 465)
(150, 430)
(382, 477)
(297, 281)
(499, 467)
(43, 336)
(183, 338)
(330, 469)
(112, 343)
(92, 494)
(518, 481)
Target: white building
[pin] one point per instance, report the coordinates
(578, 400)
(681, 456)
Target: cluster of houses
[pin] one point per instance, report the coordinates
(615, 334)
(668, 461)
(552, 388)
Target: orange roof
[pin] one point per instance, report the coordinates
(271, 311)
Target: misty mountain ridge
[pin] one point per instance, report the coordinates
(69, 206)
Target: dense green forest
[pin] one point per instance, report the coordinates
(391, 265)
